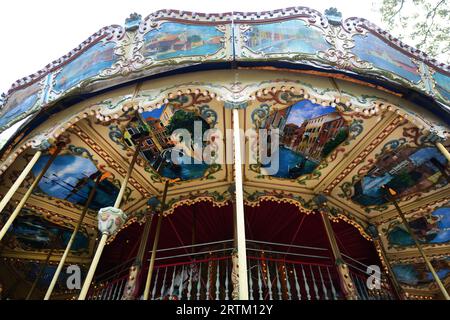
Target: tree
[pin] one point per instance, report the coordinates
(423, 24)
(194, 38)
(330, 145)
(186, 120)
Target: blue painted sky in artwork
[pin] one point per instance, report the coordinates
(442, 80)
(90, 63)
(408, 274)
(305, 110)
(183, 31)
(442, 84)
(439, 233)
(17, 108)
(443, 224)
(284, 37)
(371, 186)
(155, 113)
(376, 51)
(35, 232)
(64, 174)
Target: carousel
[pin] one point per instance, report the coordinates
(313, 165)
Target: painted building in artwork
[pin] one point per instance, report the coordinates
(92, 175)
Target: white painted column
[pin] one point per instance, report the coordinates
(444, 151)
(109, 220)
(71, 240)
(19, 180)
(33, 185)
(240, 220)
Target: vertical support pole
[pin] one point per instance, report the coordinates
(347, 285)
(444, 151)
(72, 239)
(41, 271)
(132, 285)
(19, 180)
(29, 191)
(390, 193)
(39, 275)
(240, 220)
(155, 243)
(396, 286)
(109, 220)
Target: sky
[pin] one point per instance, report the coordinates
(305, 110)
(34, 33)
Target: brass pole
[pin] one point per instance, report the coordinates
(194, 229)
(127, 177)
(155, 243)
(397, 288)
(131, 287)
(444, 151)
(41, 271)
(389, 194)
(19, 180)
(104, 238)
(72, 239)
(29, 192)
(347, 285)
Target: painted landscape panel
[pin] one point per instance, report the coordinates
(71, 178)
(442, 84)
(30, 270)
(32, 232)
(20, 103)
(87, 65)
(434, 228)
(371, 48)
(308, 133)
(154, 129)
(407, 170)
(175, 40)
(417, 274)
(292, 36)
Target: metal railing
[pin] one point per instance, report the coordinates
(276, 271)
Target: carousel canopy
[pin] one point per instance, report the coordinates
(357, 109)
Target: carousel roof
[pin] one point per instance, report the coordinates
(368, 109)
(165, 43)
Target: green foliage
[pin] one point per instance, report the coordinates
(404, 180)
(330, 145)
(423, 24)
(194, 38)
(185, 120)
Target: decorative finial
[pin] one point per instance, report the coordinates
(132, 22)
(333, 16)
(437, 134)
(320, 200)
(154, 204)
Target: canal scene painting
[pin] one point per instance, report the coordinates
(442, 84)
(287, 36)
(20, 103)
(432, 228)
(174, 40)
(417, 274)
(407, 170)
(159, 146)
(93, 61)
(32, 232)
(383, 56)
(308, 133)
(71, 178)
